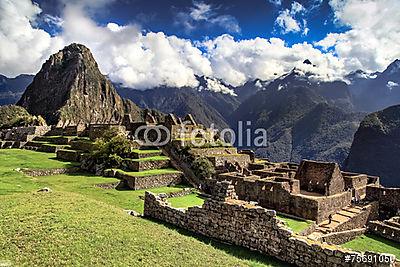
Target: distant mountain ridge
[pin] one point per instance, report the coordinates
(303, 118)
(11, 89)
(376, 91)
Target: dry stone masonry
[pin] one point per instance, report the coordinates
(238, 222)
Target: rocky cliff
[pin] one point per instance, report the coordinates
(376, 146)
(70, 89)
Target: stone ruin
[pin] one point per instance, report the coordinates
(224, 217)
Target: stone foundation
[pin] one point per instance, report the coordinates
(339, 238)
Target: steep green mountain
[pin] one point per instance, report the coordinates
(70, 89)
(376, 146)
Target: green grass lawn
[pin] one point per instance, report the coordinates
(296, 225)
(374, 243)
(186, 201)
(79, 224)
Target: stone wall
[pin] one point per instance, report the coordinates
(369, 212)
(83, 145)
(357, 183)
(66, 131)
(220, 160)
(11, 144)
(388, 198)
(321, 177)
(49, 172)
(283, 196)
(338, 238)
(385, 230)
(142, 165)
(23, 134)
(213, 151)
(250, 226)
(151, 181)
(69, 155)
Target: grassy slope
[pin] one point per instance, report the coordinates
(60, 228)
(371, 242)
(79, 224)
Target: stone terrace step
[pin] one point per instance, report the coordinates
(58, 140)
(146, 153)
(150, 163)
(147, 179)
(69, 155)
(338, 219)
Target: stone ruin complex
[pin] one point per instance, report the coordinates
(245, 193)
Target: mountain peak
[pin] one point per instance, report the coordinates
(307, 61)
(394, 67)
(70, 89)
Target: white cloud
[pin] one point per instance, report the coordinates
(22, 47)
(203, 12)
(145, 60)
(289, 20)
(235, 62)
(133, 58)
(372, 42)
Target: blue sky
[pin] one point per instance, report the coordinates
(255, 18)
(144, 44)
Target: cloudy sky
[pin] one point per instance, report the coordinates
(148, 43)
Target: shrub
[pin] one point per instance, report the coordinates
(203, 168)
(112, 148)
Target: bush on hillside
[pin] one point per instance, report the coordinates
(112, 148)
(203, 168)
(15, 116)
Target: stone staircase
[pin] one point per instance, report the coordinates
(148, 168)
(351, 217)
